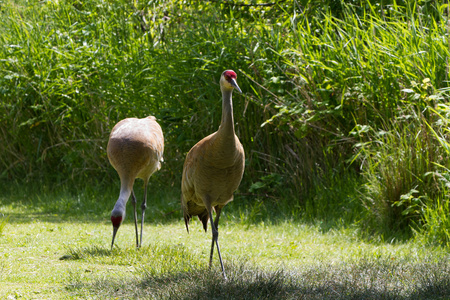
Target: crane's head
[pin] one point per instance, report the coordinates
(228, 80)
(117, 217)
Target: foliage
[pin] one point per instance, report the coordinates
(332, 89)
(436, 223)
(353, 89)
(398, 185)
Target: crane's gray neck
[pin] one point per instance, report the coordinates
(227, 123)
(119, 207)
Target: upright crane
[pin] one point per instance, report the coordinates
(213, 169)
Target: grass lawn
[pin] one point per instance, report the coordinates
(64, 255)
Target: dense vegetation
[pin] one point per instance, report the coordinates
(343, 116)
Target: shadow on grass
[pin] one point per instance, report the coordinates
(144, 252)
(358, 280)
(83, 252)
(93, 204)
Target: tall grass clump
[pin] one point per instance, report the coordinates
(436, 215)
(374, 69)
(405, 164)
(399, 183)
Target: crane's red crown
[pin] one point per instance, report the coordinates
(229, 75)
(116, 220)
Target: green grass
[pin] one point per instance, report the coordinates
(64, 254)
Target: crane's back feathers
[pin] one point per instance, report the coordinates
(135, 148)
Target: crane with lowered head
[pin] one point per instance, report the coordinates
(135, 149)
(213, 169)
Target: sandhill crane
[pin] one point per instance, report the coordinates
(213, 169)
(135, 149)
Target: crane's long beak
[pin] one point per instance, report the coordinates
(235, 85)
(115, 229)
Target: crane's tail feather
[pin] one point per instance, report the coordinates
(204, 218)
(186, 221)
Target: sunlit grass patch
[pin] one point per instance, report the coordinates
(166, 255)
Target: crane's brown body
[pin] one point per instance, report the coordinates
(212, 172)
(135, 149)
(213, 168)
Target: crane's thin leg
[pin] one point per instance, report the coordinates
(143, 207)
(216, 224)
(212, 246)
(215, 238)
(134, 201)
